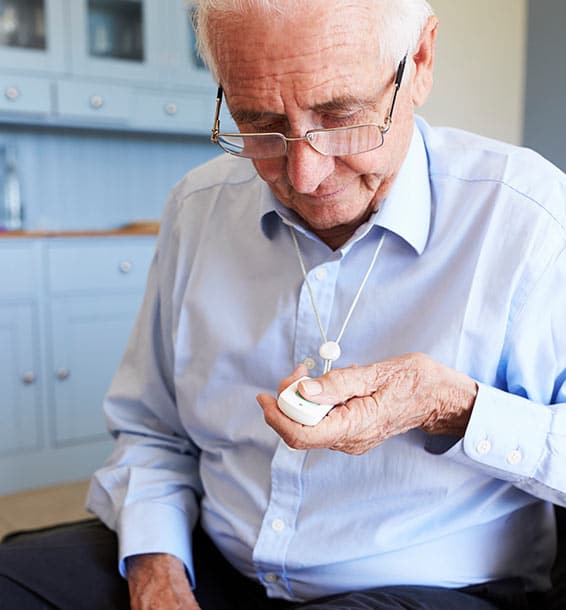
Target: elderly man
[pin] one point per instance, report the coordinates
(415, 275)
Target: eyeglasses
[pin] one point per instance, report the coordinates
(334, 142)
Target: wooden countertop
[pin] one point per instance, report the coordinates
(142, 229)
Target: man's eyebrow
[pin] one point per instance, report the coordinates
(253, 116)
(345, 103)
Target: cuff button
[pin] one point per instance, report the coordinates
(514, 457)
(483, 447)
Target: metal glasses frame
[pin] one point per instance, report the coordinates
(216, 134)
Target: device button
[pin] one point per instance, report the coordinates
(271, 578)
(278, 525)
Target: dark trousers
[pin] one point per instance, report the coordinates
(74, 567)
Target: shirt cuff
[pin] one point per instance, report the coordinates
(506, 435)
(153, 527)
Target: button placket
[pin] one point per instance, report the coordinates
(277, 529)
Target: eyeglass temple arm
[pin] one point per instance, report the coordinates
(398, 79)
(216, 123)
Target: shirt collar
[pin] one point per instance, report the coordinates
(405, 211)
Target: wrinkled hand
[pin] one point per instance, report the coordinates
(376, 402)
(158, 582)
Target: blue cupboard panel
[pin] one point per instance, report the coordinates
(94, 101)
(18, 269)
(51, 466)
(19, 379)
(89, 335)
(25, 94)
(174, 112)
(85, 63)
(93, 265)
(50, 59)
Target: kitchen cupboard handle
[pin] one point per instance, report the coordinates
(12, 93)
(125, 266)
(171, 109)
(62, 374)
(28, 377)
(96, 102)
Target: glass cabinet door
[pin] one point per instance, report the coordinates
(31, 35)
(117, 38)
(186, 67)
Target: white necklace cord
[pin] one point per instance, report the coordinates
(328, 362)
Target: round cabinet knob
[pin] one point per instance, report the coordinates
(125, 266)
(12, 93)
(171, 109)
(63, 374)
(28, 378)
(96, 102)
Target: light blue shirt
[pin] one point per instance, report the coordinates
(472, 272)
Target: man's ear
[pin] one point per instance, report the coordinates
(423, 59)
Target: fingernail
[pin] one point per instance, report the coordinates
(312, 387)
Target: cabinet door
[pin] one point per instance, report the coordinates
(185, 66)
(89, 335)
(32, 35)
(117, 39)
(19, 378)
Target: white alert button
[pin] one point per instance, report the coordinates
(321, 274)
(278, 525)
(514, 457)
(483, 447)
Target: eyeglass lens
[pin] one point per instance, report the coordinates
(341, 142)
(346, 141)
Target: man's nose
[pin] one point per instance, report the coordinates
(307, 168)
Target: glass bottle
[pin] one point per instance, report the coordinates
(11, 218)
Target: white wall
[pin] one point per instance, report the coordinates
(480, 67)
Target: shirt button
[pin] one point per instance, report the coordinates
(271, 578)
(278, 525)
(483, 447)
(310, 363)
(514, 457)
(320, 274)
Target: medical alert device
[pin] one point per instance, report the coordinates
(299, 408)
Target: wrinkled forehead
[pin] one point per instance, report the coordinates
(312, 43)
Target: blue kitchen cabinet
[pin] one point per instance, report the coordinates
(66, 310)
(113, 64)
(185, 66)
(32, 37)
(20, 373)
(19, 378)
(117, 39)
(89, 334)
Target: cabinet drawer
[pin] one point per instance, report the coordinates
(93, 101)
(24, 94)
(178, 113)
(18, 271)
(102, 265)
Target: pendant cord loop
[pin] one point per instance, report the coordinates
(328, 363)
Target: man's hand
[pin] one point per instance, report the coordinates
(158, 582)
(376, 402)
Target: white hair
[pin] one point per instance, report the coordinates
(398, 25)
